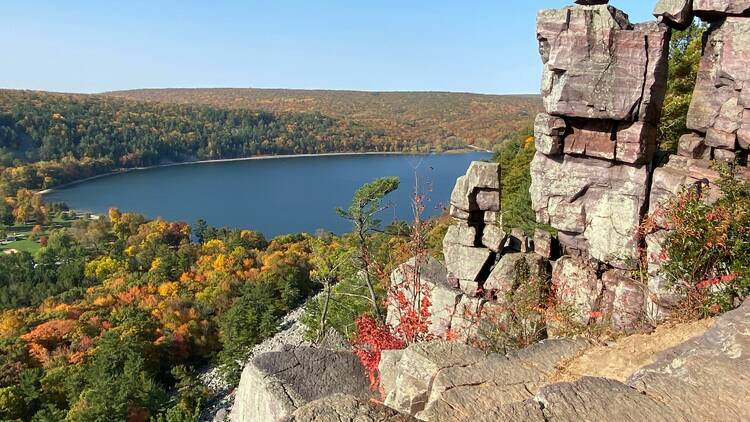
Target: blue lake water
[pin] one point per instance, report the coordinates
(274, 196)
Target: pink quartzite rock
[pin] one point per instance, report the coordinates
(577, 288)
(479, 189)
(719, 100)
(595, 204)
(548, 133)
(623, 300)
(598, 66)
(544, 244)
(725, 156)
(714, 9)
(691, 146)
(677, 14)
(628, 142)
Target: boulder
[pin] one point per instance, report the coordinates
(483, 175)
(548, 133)
(275, 384)
(505, 277)
(444, 297)
(723, 77)
(599, 66)
(458, 213)
(346, 408)
(488, 200)
(493, 238)
(724, 155)
(591, 2)
(460, 233)
(518, 241)
(661, 298)
(477, 190)
(577, 288)
(464, 322)
(719, 139)
(595, 204)
(677, 14)
(460, 197)
(544, 244)
(417, 368)
(743, 134)
(623, 301)
(709, 10)
(692, 146)
(465, 262)
(492, 217)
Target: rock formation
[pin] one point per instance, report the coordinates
(275, 384)
(470, 247)
(603, 85)
(693, 381)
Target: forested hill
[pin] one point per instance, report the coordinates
(48, 138)
(442, 119)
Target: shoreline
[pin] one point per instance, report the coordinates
(226, 160)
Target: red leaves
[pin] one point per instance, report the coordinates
(715, 281)
(372, 338)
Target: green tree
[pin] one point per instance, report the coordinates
(366, 204)
(330, 262)
(684, 57)
(200, 229)
(514, 157)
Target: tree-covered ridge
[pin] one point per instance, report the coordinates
(47, 139)
(440, 119)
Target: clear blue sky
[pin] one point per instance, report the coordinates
(485, 46)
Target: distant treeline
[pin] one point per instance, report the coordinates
(48, 139)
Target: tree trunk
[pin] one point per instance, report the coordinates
(324, 314)
(365, 263)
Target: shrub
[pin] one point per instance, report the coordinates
(371, 339)
(707, 247)
(518, 318)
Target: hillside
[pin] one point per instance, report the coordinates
(435, 117)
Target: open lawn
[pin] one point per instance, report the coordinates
(26, 245)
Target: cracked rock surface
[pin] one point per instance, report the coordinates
(702, 379)
(345, 408)
(275, 384)
(440, 381)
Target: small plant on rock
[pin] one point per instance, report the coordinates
(706, 254)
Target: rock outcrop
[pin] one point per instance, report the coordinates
(275, 384)
(445, 381)
(432, 277)
(603, 86)
(701, 379)
(475, 203)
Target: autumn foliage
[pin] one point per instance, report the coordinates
(706, 246)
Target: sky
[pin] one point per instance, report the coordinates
(482, 46)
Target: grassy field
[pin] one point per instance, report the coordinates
(27, 245)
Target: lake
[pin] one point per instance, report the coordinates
(273, 196)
